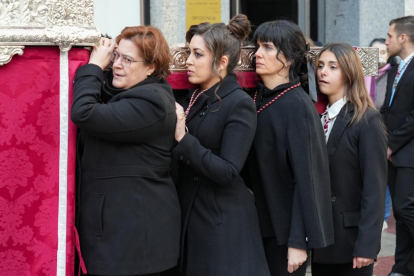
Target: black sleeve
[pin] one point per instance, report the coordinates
(237, 138)
(312, 217)
(132, 119)
(373, 161)
(403, 135)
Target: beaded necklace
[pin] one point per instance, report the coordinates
(275, 98)
(193, 100)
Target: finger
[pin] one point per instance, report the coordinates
(354, 263)
(359, 263)
(112, 45)
(290, 268)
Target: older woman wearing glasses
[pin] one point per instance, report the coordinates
(128, 211)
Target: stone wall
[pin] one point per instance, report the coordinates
(357, 22)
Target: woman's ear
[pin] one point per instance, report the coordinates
(151, 69)
(224, 61)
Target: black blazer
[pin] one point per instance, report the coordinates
(221, 235)
(399, 117)
(129, 210)
(358, 169)
(288, 170)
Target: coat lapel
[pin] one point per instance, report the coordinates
(404, 77)
(229, 85)
(341, 122)
(390, 81)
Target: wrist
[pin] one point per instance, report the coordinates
(179, 137)
(97, 64)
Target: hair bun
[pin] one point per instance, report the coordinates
(240, 26)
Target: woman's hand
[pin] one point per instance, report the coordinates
(180, 126)
(101, 53)
(296, 257)
(361, 262)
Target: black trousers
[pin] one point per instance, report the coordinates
(401, 183)
(276, 256)
(341, 270)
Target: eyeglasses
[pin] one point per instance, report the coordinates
(125, 61)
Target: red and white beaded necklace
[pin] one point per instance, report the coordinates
(275, 98)
(193, 100)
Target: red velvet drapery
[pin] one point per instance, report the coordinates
(30, 137)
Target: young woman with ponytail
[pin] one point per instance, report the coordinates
(215, 128)
(287, 166)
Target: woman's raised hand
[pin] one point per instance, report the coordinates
(101, 53)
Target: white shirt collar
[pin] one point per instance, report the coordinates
(334, 109)
(408, 58)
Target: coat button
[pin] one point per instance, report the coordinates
(188, 162)
(195, 178)
(333, 199)
(205, 107)
(181, 158)
(202, 114)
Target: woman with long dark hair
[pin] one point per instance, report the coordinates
(287, 166)
(357, 148)
(220, 230)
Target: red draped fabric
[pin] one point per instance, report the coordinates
(29, 162)
(179, 80)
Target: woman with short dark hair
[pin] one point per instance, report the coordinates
(287, 166)
(129, 215)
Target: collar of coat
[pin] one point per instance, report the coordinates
(228, 85)
(108, 91)
(341, 122)
(266, 92)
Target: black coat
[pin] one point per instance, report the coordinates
(129, 209)
(288, 170)
(358, 168)
(221, 235)
(399, 117)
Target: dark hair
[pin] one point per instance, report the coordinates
(289, 40)
(377, 40)
(353, 76)
(222, 40)
(404, 25)
(152, 46)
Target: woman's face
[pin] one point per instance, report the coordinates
(383, 53)
(199, 64)
(266, 62)
(126, 77)
(330, 76)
